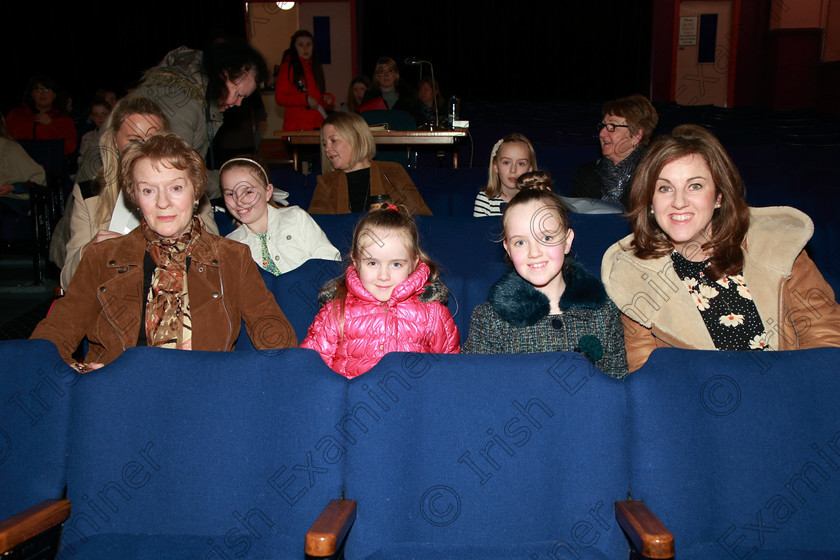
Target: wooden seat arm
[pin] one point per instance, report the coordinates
(325, 536)
(650, 537)
(32, 522)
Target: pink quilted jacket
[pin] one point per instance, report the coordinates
(413, 320)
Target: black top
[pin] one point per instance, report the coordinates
(725, 304)
(358, 187)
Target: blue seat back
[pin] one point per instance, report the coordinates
(205, 449)
(449, 192)
(470, 457)
(35, 393)
(738, 454)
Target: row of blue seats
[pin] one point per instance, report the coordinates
(172, 454)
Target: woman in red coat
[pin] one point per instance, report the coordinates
(300, 84)
(39, 119)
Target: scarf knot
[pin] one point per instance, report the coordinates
(168, 321)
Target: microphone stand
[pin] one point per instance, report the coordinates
(417, 62)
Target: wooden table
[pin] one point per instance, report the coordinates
(381, 137)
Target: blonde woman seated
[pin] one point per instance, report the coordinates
(352, 179)
(168, 283)
(703, 270)
(97, 202)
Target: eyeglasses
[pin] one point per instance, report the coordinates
(43, 89)
(610, 126)
(383, 72)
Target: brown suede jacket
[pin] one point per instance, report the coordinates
(386, 177)
(105, 298)
(794, 301)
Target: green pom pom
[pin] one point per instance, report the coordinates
(590, 346)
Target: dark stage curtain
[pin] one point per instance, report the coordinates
(511, 50)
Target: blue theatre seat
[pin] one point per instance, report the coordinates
(486, 463)
(35, 386)
(739, 453)
(179, 454)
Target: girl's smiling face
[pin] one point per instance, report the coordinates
(246, 196)
(383, 262)
(537, 244)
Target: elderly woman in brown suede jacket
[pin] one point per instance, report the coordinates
(703, 270)
(169, 283)
(352, 179)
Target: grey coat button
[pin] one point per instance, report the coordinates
(215, 295)
(101, 288)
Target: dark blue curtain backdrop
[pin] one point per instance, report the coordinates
(492, 50)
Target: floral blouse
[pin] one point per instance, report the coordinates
(726, 306)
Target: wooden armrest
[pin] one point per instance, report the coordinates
(325, 536)
(34, 521)
(648, 534)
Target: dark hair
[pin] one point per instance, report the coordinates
(729, 223)
(231, 58)
(296, 73)
(637, 111)
(99, 101)
(435, 88)
(33, 82)
(170, 150)
(351, 99)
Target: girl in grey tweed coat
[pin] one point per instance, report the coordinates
(547, 303)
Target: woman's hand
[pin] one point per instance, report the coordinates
(84, 367)
(311, 102)
(101, 235)
(6, 189)
(43, 118)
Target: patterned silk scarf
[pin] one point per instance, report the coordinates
(168, 322)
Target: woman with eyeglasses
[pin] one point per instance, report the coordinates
(300, 84)
(39, 118)
(625, 130)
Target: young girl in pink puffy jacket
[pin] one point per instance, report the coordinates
(389, 300)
